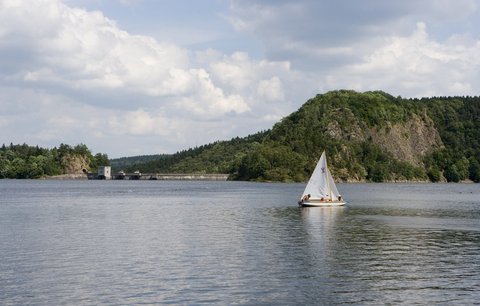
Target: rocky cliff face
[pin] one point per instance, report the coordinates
(407, 141)
(74, 163)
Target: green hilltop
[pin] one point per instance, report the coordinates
(370, 136)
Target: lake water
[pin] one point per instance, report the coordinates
(180, 242)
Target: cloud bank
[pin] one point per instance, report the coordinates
(73, 75)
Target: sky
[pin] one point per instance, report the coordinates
(141, 77)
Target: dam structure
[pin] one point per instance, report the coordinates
(105, 173)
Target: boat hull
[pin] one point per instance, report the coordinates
(321, 203)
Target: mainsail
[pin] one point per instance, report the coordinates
(321, 184)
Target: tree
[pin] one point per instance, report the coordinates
(434, 175)
(253, 166)
(451, 173)
(99, 160)
(20, 168)
(4, 167)
(474, 170)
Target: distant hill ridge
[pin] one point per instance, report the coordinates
(126, 162)
(370, 136)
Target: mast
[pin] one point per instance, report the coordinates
(327, 172)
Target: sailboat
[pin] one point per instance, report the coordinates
(321, 189)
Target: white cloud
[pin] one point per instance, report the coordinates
(271, 89)
(408, 47)
(210, 100)
(235, 71)
(257, 82)
(419, 65)
(86, 50)
(81, 50)
(74, 75)
(138, 122)
(309, 32)
(4, 121)
(95, 81)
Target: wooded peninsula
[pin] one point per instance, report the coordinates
(24, 161)
(368, 137)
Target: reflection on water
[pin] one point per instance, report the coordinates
(324, 217)
(86, 243)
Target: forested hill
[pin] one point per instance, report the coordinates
(369, 136)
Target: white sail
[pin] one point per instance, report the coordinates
(333, 188)
(321, 184)
(317, 185)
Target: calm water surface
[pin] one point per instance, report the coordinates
(175, 242)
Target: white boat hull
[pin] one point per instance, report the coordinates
(321, 203)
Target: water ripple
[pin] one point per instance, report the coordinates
(117, 243)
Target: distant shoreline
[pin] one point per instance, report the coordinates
(159, 177)
(224, 177)
(66, 177)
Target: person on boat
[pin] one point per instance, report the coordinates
(322, 199)
(306, 198)
(339, 198)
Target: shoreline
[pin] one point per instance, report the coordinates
(158, 177)
(224, 177)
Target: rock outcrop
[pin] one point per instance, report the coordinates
(75, 163)
(408, 141)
